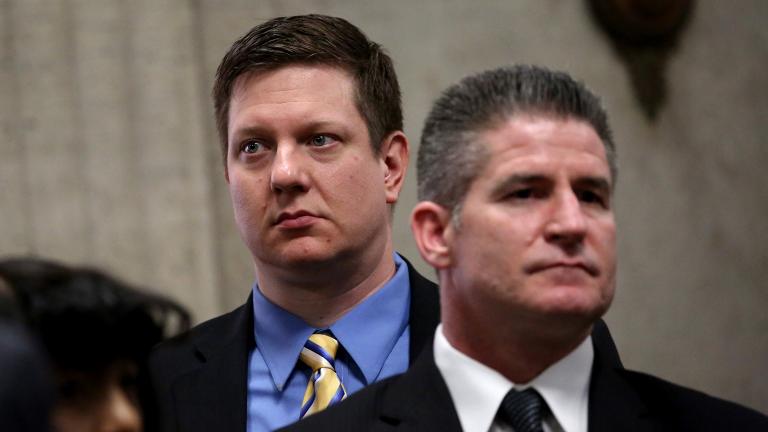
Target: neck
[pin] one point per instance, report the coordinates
(520, 348)
(321, 293)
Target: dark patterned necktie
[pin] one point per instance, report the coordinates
(523, 410)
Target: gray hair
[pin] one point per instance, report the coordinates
(450, 156)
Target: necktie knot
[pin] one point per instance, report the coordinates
(324, 387)
(523, 410)
(320, 352)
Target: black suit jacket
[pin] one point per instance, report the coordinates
(619, 400)
(200, 378)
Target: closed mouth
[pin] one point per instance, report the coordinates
(586, 266)
(290, 216)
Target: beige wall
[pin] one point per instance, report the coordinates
(108, 154)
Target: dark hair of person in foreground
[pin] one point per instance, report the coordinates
(97, 333)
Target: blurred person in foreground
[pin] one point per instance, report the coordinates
(97, 333)
(516, 171)
(26, 385)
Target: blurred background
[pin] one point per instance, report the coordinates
(108, 152)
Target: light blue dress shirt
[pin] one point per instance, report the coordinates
(374, 338)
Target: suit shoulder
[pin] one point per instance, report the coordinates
(690, 409)
(180, 352)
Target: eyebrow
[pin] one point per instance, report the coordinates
(597, 183)
(518, 179)
(248, 131)
(305, 128)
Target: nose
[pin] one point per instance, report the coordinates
(288, 170)
(119, 413)
(566, 225)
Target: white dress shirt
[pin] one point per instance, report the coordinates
(477, 390)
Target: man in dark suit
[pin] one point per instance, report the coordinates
(516, 174)
(309, 116)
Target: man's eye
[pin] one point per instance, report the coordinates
(521, 193)
(252, 147)
(591, 197)
(321, 140)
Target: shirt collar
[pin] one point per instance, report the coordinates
(477, 390)
(383, 316)
(280, 336)
(565, 387)
(370, 330)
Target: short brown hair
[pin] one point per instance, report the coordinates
(314, 39)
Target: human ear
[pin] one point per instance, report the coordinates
(394, 159)
(433, 232)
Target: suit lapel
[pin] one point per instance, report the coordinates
(419, 400)
(424, 313)
(213, 396)
(614, 405)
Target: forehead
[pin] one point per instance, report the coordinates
(303, 82)
(297, 90)
(539, 142)
(292, 97)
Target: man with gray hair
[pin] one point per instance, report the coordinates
(516, 175)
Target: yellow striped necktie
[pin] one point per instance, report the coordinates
(324, 388)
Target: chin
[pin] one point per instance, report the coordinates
(297, 252)
(306, 257)
(575, 306)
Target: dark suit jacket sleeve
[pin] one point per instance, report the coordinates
(619, 400)
(199, 378)
(424, 314)
(672, 407)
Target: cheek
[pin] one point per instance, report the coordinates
(354, 183)
(244, 190)
(66, 418)
(606, 240)
(509, 233)
(490, 244)
(248, 200)
(604, 247)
